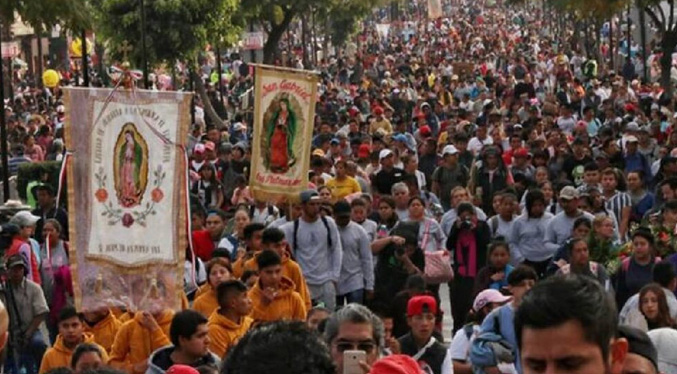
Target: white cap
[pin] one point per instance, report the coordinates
(24, 218)
(384, 153)
(449, 150)
(631, 139)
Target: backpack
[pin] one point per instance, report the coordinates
(626, 263)
(326, 226)
(493, 223)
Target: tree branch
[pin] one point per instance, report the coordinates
(672, 15)
(655, 19)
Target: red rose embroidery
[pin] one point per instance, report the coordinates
(101, 195)
(157, 195)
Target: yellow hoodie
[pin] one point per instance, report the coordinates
(104, 331)
(134, 343)
(206, 303)
(60, 356)
(287, 304)
(224, 333)
(291, 270)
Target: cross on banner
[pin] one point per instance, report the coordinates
(125, 48)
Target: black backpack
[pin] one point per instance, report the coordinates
(326, 225)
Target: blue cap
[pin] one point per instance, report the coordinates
(334, 141)
(400, 138)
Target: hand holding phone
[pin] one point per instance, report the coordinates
(351, 362)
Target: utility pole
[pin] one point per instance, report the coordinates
(143, 45)
(85, 64)
(3, 132)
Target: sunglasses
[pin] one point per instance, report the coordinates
(366, 346)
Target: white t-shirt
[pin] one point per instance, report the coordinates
(475, 145)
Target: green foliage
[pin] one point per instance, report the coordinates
(344, 17)
(42, 14)
(175, 29)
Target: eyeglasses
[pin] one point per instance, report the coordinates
(367, 346)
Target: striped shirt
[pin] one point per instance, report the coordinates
(617, 202)
(14, 163)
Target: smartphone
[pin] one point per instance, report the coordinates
(351, 362)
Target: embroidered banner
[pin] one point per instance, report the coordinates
(434, 9)
(127, 196)
(284, 111)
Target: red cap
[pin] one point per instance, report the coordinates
(421, 304)
(629, 107)
(425, 130)
(396, 364)
(378, 111)
(182, 369)
(209, 145)
(353, 111)
(520, 152)
(363, 151)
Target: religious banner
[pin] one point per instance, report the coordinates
(127, 197)
(435, 9)
(284, 111)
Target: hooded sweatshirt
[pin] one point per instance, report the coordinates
(160, 361)
(291, 270)
(104, 331)
(287, 304)
(60, 355)
(134, 343)
(206, 303)
(224, 333)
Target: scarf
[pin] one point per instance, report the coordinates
(466, 254)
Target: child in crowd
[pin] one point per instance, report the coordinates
(495, 275)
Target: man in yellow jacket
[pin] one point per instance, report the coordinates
(71, 333)
(274, 239)
(231, 321)
(138, 338)
(103, 325)
(273, 297)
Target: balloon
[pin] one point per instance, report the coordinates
(76, 47)
(50, 78)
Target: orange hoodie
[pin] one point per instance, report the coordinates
(206, 303)
(134, 343)
(224, 333)
(60, 355)
(201, 290)
(287, 304)
(291, 270)
(104, 331)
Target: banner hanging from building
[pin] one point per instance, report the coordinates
(284, 111)
(434, 9)
(127, 196)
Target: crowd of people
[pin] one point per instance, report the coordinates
(477, 155)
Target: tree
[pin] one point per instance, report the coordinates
(72, 14)
(667, 29)
(175, 30)
(274, 16)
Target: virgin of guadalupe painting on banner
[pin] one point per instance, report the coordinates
(284, 111)
(126, 186)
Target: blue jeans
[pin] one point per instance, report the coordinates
(29, 357)
(356, 296)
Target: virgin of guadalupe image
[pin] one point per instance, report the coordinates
(131, 166)
(280, 133)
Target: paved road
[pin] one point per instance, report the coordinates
(448, 323)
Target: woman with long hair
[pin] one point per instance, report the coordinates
(55, 273)
(654, 306)
(208, 188)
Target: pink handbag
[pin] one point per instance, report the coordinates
(437, 264)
